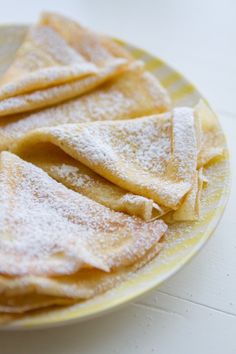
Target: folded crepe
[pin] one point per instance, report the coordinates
(82, 179)
(96, 48)
(212, 138)
(57, 246)
(26, 293)
(189, 210)
(211, 148)
(132, 94)
(147, 165)
(48, 70)
(47, 229)
(43, 60)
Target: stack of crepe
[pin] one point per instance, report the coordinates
(93, 160)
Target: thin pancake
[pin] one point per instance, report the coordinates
(83, 285)
(82, 179)
(57, 72)
(154, 157)
(46, 228)
(96, 48)
(52, 95)
(132, 94)
(190, 208)
(43, 60)
(211, 146)
(212, 138)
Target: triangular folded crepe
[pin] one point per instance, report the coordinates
(20, 294)
(47, 229)
(49, 96)
(96, 48)
(132, 94)
(47, 70)
(43, 60)
(154, 157)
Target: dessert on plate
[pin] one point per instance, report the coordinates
(95, 163)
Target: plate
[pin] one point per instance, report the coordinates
(182, 241)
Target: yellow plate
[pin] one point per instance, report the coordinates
(182, 241)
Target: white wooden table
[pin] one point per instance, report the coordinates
(195, 311)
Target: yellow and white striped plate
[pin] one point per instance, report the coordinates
(182, 241)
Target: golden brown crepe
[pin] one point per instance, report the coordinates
(52, 95)
(96, 48)
(47, 229)
(189, 210)
(211, 147)
(212, 137)
(43, 60)
(62, 290)
(154, 157)
(41, 265)
(48, 70)
(132, 94)
(82, 179)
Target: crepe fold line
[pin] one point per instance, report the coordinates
(52, 95)
(189, 210)
(131, 94)
(47, 229)
(82, 179)
(145, 167)
(211, 148)
(154, 157)
(48, 70)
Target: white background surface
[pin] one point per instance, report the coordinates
(195, 311)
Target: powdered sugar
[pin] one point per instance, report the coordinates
(50, 229)
(52, 95)
(43, 60)
(185, 148)
(114, 100)
(135, 154)
(48, 41)
(72, 175)
(147, 140)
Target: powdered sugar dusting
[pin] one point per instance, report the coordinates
(48, 229)
(185, 147)
(48, 41)
(60, 93)
(83, 180)
(134, 154)
(44, 59)
(114, 100)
